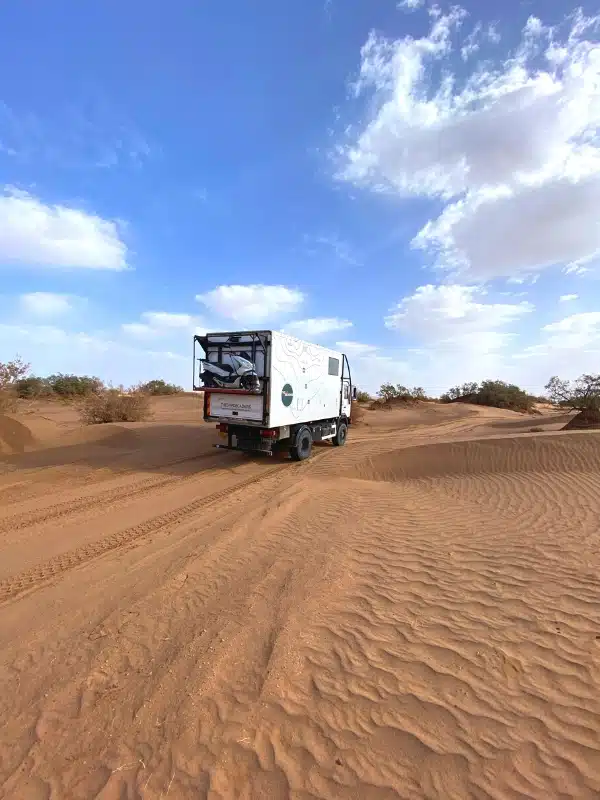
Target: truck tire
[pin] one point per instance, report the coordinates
(339, 440)
(302, 447)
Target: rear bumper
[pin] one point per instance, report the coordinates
(246, 439)
(252, 447)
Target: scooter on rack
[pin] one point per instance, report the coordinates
(239, 374)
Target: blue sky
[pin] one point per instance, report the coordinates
(418, 183)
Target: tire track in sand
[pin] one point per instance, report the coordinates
(40, 574)
(35, 479)
(17, 522)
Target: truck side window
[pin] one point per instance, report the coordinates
(346, 391)
(334, 366)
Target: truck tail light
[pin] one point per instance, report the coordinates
(269, 433)
(223, 427)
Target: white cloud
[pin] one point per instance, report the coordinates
(478, 36)
(341, 249)
(574, 332)
(160, 323)
(454, 316)
(518, 230)
(411, 5)
(514, 145)
(50, 349)
(357, 349)
(319, 326)
(251, 304)
(503, 122)
(567, 347)
(452, 333)
(45, 304)
(75, 137)
(566, 298)
(371, 366)
(461, 337)
(166, 319)
(34, 233)
(139, 330)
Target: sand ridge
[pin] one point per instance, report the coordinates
(414, 615)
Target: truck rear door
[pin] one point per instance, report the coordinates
(231, 369)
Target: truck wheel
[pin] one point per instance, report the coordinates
(303, 446)
(339, 440)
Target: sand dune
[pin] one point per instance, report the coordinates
(414, 615)
(576, 453)
(15, 436)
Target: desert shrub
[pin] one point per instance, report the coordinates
(160, 387)
(8, 400)
(111, 405)
(74, 386)
(363, 397)
(537, 429)
(389, 392)
(33, 387)
(504, 395)
(11, 372)
(580, 395)
(496, 394)
(456, 392)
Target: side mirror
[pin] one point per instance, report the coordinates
(354, 392)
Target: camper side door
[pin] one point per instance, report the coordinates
(346, 388)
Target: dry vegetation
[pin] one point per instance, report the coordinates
(111, 405)
(582, 395)
(11, 373)
(496, 394)
(100, 403)
(97, 402)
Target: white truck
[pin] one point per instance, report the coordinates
(267, 391)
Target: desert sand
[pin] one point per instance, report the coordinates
(414, 615)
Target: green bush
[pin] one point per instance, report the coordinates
(159, 387)
(581, 395)
(389, 392)
(33, 387)
(456, 392)
(8, 400)
(74, 386)
(496, 394)
(111, 405)
(363, 397)
(11, 372)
